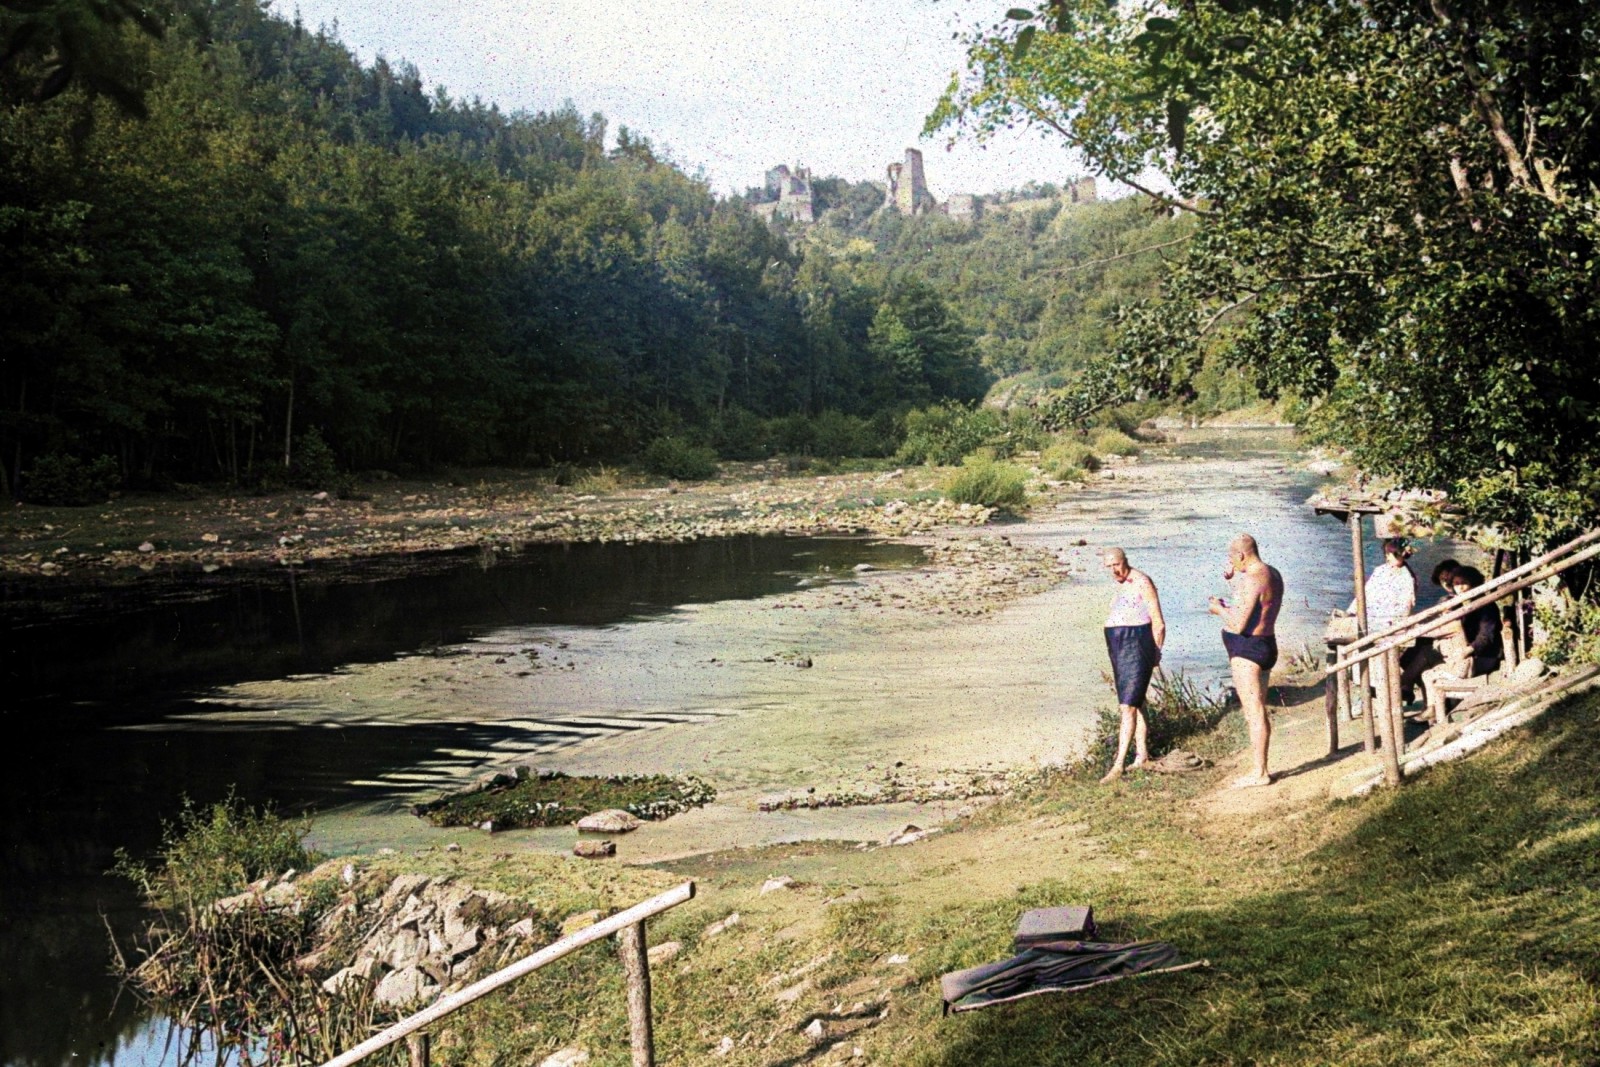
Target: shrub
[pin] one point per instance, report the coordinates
(836, 435)
(738, 434)
(793, 435)
(1022, 430)
(1573, 633)
(1176, 709)
(673, 457)
(944, 433)
(57, 478)
(1069, 459)
(1115, 443)
(987, 481)
(312, 464)
(214, 852)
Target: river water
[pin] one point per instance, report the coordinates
(112, 722)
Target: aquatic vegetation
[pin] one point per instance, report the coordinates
(550, 798)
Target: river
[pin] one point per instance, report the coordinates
(351, 690)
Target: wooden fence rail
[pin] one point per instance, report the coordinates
(1387, 642)
(629, 923)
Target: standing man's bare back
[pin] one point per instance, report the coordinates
(1249, 633)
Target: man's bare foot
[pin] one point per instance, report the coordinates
(1250, 781)
(1112, 775)
(1140, 762)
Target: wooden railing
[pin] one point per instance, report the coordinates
(635, 964)
(1387, 642)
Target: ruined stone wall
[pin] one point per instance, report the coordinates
(964, 206)
(790, 195)
(1082, 191)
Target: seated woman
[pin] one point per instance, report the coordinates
(1422, 655)
(1469, 646)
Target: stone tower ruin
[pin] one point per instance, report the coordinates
(908, 188)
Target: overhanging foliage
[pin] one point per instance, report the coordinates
(1397, 211)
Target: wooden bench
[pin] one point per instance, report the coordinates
(1487, 688)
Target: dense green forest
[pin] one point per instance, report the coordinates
(293, 249)
(1393, 212)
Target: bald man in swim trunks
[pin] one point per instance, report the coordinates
(1249, 624)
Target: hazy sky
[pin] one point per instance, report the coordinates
(730, 87)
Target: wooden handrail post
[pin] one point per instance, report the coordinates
(1397, 706)
(1358, 553)
(636, 967)
(1330, 708)
(1363, 684)
(1388, 700)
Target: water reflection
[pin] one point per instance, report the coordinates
(85, 671)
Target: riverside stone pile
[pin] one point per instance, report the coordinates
(405, 944)
(425, 935)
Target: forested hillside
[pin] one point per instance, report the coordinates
(293, 253)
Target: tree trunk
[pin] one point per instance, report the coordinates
(288, 426)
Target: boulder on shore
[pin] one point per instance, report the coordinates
(610, 821)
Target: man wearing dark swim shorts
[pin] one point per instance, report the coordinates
(1249, 635)
(1135, 632)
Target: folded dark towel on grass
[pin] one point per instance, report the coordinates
(1057, 967)
(1072, 923)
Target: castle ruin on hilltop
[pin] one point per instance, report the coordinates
(789, 195)
(908, 187)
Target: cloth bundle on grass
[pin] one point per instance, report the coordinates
(1057, 967)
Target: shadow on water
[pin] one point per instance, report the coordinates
(85, 669)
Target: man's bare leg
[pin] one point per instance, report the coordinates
(1124, 736)
(1250, 681)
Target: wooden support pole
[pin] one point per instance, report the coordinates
(636, 967)
(1363, 698)
(1397, 705)
(1363, 683)
(1388, 702)
(1346, 712)
(417, 1049)
(1330, 707)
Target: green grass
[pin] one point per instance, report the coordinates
(1069, 459)
(1115, 443)
(1452, 922)
(1455, 921)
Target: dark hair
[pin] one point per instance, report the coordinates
(1471, 575)
(1444, 569)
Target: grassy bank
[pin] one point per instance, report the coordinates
(1454, 921)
